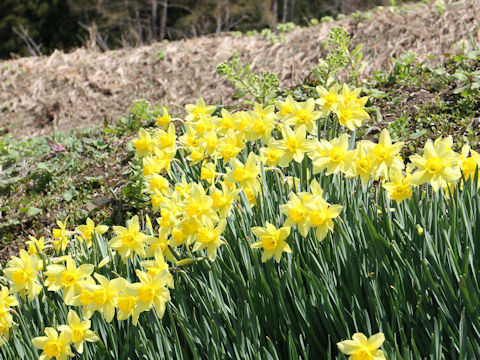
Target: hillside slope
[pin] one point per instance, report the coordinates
(61, 91)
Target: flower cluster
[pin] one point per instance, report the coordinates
(81, 284)
(55, 345)
(200, 173)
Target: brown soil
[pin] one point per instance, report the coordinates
(40, 95)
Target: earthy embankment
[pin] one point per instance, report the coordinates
(39, 95)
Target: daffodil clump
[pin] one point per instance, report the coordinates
(79, 284)
(213, 179)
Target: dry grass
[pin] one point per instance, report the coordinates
(42, 94)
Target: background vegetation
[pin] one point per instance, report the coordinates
(34, 27)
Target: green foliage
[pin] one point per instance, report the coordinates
(339, 58)
(262, 88)
(287, 27)
(81, 180)
(420, 99)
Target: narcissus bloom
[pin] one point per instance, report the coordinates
(68, 278)
(195, 110)
(80, 331)
(332, 155)
(284, 107)
(143, 144)
(328, 99)
(153, 292)
(351, 114)
(297, 214)
(361, 348)
(208, 237)
(86, 231)
(260, 127)
(385, 155)
(158, 265)
(104, 296)
(304, 115)
(6, 296)
(400, 187)
(469, 164)
(164, 120)
(23, 273)
(129, 240)
(272, 241)
(245, 175)
(165, 139)
(436, 166)
(61, 236)
(321, 215)
(272, 153)
(294, 145)
(35, 245)
(53, 345)
(362, 164)
(231, 145)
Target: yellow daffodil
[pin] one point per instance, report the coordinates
(35, 246)
(272, 153)
(151, 165)
(469, 164)
(225, 122)
(199, 204)
(158, 182)
(297, 214)
(400, 187)
(23, 273)
(53, 345)
(86, 231)
(143, 144)
(245, 175)
(195, 110)
(152, 292)
(304, 115)
(332, 155)
(363, 348)
(158, 265)
(68, 278)
(285, 108)
(435, 166)
(321, 215)
(328, 99)
(164, 120)
(208, 172)
(350, 113)
(209, 237)
(385, 155)
(61, 236)
(231, 145)
(272, 241)
(160, 243)
(129, 240)
(80, 331)
(165, 139)
(104, 296)
(7, 298)
(223, 199)
(294, 145)
(363, 163)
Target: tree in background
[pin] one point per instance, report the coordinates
(46, 23)
(29, 27)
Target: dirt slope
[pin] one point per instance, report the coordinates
(39, 95)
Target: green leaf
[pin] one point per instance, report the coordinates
(418, 134)
(69, 194)
(30, 211)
